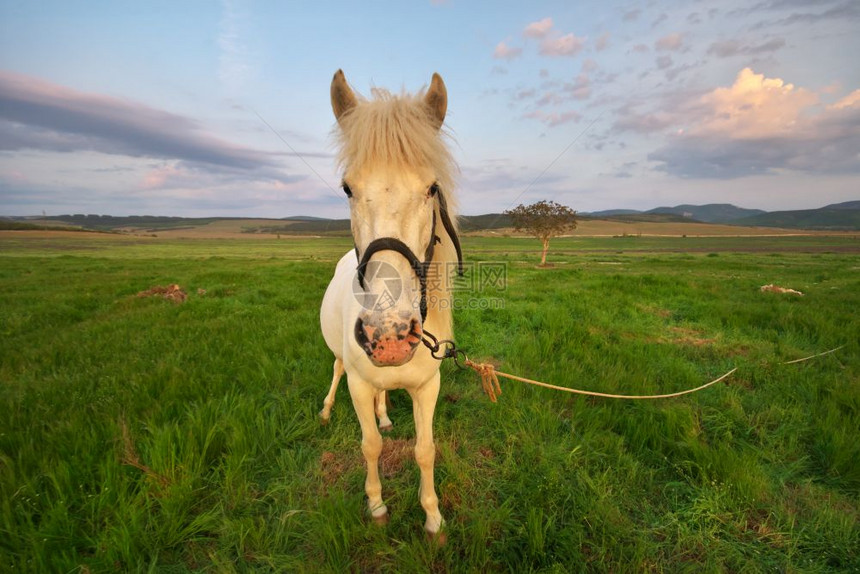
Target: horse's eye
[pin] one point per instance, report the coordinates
(434, 189)
(346, 189)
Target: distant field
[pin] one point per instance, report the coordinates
(141, 435)
(214, 228)
(598, 228)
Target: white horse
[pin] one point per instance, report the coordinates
(393, 290)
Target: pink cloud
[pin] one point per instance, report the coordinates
(505, 52)
(852, 100)
(755, 107)
(567, 45)
(538, 29)
(602, 42)
(670, 42)
(164, 176)
(553, 119)
(757, 125)
(552, 42)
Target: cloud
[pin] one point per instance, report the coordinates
(850, 101)
(846, 11)
(729, 48)
(505, 52)
(642, 123)
(760, 125)
(577, 90)
(755, 107)
(670, 43)
(567, 45)
(504, 182)
(552, 42)
(602, 42)
(659, 20)
(37, 114)
(525, 94)
(234, 68)
(553, 119)
(842, 11)
(538, 29)
(641, 49)
(664, 61)
(631, 15)
(673, 73)
(580, 88)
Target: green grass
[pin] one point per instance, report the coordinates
(141, 435)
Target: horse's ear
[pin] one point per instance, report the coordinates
(342, 98)
(437, 99)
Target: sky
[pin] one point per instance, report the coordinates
(206, 108)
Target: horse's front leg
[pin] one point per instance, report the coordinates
(423, 407)
(382, 412)
(363, 396)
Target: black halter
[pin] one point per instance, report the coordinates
(419, 267)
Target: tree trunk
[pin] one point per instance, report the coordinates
(545, 249)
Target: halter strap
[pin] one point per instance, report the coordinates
(449, 229)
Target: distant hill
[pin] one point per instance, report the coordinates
(826, 218)
(151, 222)
(610, 213)
(646, 217)
(845, 205)
(484, 222)
(710, 213)
(304, 218)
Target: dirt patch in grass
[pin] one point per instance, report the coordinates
(172, 292)
(654, 310)
(685, 336)
(394, 457)
(758, 524)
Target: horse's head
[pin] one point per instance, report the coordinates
(393, 163)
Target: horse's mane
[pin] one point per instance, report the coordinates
(397, 131)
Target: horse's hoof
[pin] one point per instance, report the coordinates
(437, 538)
(380, 520)
(386, 428)
(323, 419)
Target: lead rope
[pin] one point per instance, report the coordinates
(490, 376)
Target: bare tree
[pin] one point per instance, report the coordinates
(544, 220)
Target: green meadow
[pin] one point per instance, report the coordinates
(142, 435)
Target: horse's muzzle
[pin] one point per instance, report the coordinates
(388, 343)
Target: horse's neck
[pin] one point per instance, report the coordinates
(439, 292)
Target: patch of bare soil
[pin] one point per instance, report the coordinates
(395, 454)
(654, 310)
(684, 336)
(172, 292)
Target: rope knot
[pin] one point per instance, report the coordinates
(489, 379)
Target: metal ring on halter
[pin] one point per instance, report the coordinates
(449, 351)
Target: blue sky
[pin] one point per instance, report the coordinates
(161, 107)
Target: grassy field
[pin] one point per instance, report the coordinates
(141, 435)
